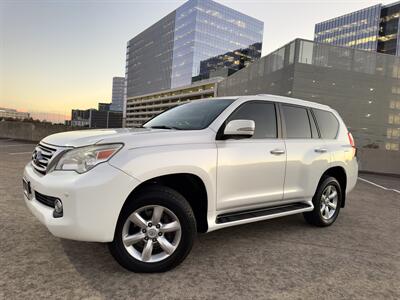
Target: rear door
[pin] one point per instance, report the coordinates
(307, 154)
(251, 170)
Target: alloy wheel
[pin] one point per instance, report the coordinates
(329, 201)
(151, 233)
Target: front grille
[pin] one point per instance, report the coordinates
(44, 199)
(42, 156)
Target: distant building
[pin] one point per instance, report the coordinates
(13, 114)
(142, 108)
(118, 88)
(80, 118)
(104, 106)
(93, 118)
(168, 54)
(225, 64)
(375, 28)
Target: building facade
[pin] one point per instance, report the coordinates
(13, 114)
(226, 64)
(169, 53)
(93, 118)
(389, 32)
(376, 28)
(141, 108)
(364, 87)
(117, 98)
(80, 118)
(104, 106)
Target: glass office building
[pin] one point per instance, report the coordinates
(389, 32)
(226, 64)
(149, 58)
(364, 87)
(375, 28)
(169, 53)
(117, 98)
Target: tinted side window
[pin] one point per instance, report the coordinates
(263, 114)
(327, 123)
(297, 122)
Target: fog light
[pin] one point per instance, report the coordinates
(58, 209)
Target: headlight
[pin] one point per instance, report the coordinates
(83, 159)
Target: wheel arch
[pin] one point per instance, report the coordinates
(189, 185)
(339, 173)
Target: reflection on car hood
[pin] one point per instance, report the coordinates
(131, 137)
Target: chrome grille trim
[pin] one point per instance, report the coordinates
(46, 154)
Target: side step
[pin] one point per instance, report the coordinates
(260, 212)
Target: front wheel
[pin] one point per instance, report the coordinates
(327, 201)
(155, 231)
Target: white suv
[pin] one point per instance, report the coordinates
(198, 167)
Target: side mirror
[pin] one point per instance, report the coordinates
(243, 128)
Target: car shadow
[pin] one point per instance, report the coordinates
(210, 260)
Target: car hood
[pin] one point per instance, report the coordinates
(131, 137)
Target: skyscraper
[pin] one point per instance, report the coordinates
(118, 86)
(375, 28)
(169, 54)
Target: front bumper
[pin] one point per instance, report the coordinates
(91, 201)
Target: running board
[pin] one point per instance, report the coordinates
(260, 212)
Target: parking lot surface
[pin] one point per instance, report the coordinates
(356, 258)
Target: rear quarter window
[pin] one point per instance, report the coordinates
(327, 123)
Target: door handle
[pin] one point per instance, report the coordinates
(277, 151)
(321, 150)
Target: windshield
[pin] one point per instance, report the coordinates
(195, 115)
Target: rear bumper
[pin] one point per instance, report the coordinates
(91, 201)
(352, 174)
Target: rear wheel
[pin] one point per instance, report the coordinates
(327, 201)
(155, 231)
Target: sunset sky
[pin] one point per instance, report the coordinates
(59, 55)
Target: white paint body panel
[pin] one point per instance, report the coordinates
(248, 173)
(237, 174)
(91, 201)
(304, 167)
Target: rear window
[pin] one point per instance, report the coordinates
(297, 122)
(327, 123)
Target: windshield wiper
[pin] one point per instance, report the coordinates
(163, 127)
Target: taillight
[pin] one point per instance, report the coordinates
(351, 141)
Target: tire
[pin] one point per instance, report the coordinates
(323, 213)
(160, 237)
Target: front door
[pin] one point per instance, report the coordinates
(251, 170)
